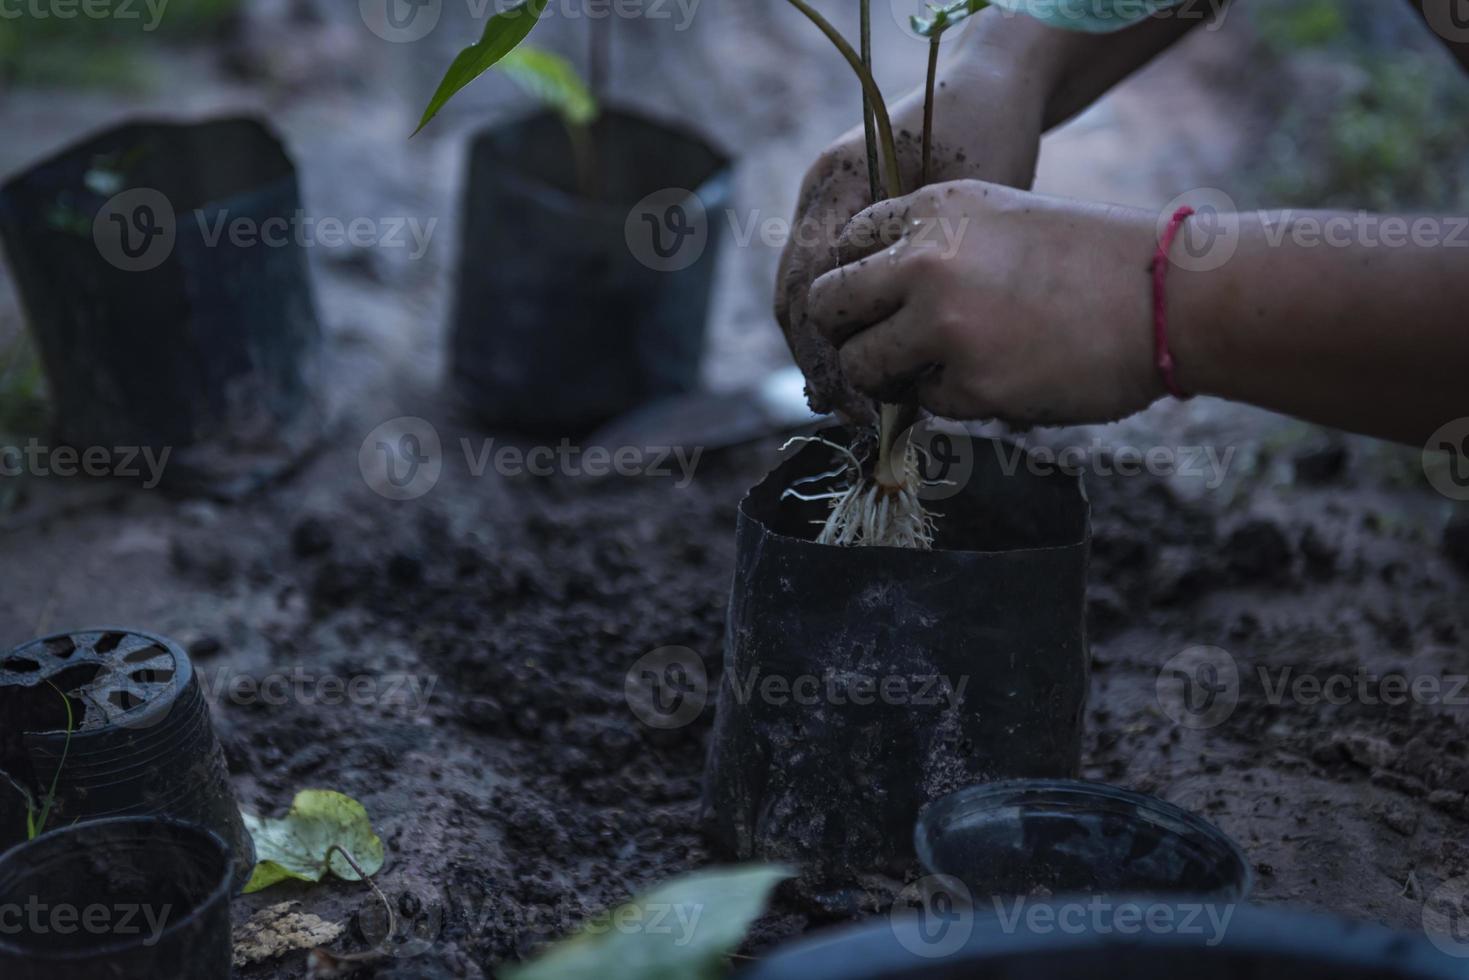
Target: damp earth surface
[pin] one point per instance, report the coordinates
(491, 624)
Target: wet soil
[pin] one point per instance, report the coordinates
(497, 618)
(517, 790)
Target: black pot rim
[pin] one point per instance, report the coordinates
(875, 950)
(221, 892)
(12, 182)
(1083, 795)
(607, 212)
(909, 554)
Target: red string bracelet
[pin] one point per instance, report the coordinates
(1162, 353)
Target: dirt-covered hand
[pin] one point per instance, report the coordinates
(988, 121)
(997, 303)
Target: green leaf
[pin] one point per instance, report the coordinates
(15, 799)
(503, 33)
(682, 930)
(1091, 16)
(300, 844)
(22, 391)
(947, 16)
(553, 80)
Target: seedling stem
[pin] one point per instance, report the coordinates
(932, 91)
(874, 179)
(892, 176)
(36, 823)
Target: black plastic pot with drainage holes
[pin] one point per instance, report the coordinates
(120, 899)
(860, 684)
(141, 741)
(563, 320)
(170, 300)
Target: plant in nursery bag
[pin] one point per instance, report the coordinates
(944, 646)
(879, 502)
(558, 325)
(159, 331)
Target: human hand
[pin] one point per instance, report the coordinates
(996, 303)
(989, 115)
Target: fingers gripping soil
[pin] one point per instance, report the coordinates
(831, 196)
(828, 234)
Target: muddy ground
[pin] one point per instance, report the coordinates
(514, 786)
(518, 791)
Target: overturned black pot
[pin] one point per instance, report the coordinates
(170, 300)
(125, 898)
(572, 310)
(1137, 939)
(141, 741)
(862, 683)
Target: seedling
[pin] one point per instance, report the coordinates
(22, 399)
(554, 81)
(36, 818)
(880, 504)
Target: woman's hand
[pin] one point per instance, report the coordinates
(1013, 78)
(989, 115)
(996, 303)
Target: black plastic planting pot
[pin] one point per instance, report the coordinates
(1139, 939)
(572, 310)
(862, 683)
(121, 899)
(1065, 837)
(141, 741)
(170, 299)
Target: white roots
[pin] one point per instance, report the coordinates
(865, 513)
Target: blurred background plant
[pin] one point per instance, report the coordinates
(1377, 113)
(22, 388)
(22, 407)
(96, 52)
